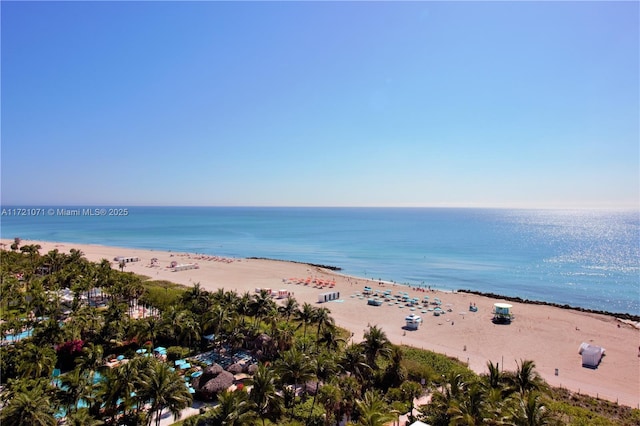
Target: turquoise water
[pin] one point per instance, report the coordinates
(19, 336)
(584, 258)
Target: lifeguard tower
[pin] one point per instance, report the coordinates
(502, 313)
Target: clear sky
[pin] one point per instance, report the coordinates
(500, 104)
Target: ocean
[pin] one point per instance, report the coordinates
(583, 258)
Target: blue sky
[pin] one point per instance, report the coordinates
(497, 104)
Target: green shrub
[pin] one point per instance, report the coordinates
(176, 352)
(422, 364)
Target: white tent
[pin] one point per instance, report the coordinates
(591, 355)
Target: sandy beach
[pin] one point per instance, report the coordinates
(548, 335)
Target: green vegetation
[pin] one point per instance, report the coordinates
(309, 373)
(161, 294)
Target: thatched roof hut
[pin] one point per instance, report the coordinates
(235, 368)
(213, 381)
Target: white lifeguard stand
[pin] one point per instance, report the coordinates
(502, 313)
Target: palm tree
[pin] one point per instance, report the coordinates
(148, 329)
(263, 394)
(244, 306)
(104, 274)
(32, 250)
(233, 409)
(295, 367)
(38, 302)
(289, 308)
(351, 389)
(115, 321)
(36, 361)
(82, 417)
(75, 385)
(163, 388)
(85, 323)
(197, 299)
(189, 329)
(354, 362)
(262, 304)
(395, 373)
(216, 319)
(530, 411)
(526, 378)
(91, 358)
(469, 408)
(10, 290)
(411, 391)
(29, 408)
(373, 411)
(305, 316)
(322, 317)
(329, 339)
(330, 396)
(54, 259)
(75, 257)
(437, 412)
(326, 367)
(283, 336)
(48, 332)
(228, 299)
(494, 378)
(375, 343)
(115, 390)
(234, 334)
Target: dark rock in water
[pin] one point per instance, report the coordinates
(329, 267)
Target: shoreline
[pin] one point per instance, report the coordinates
(317, 265)
(617, 315)
(548, 335)
(627, 316)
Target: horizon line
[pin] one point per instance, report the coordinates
(302, 206)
